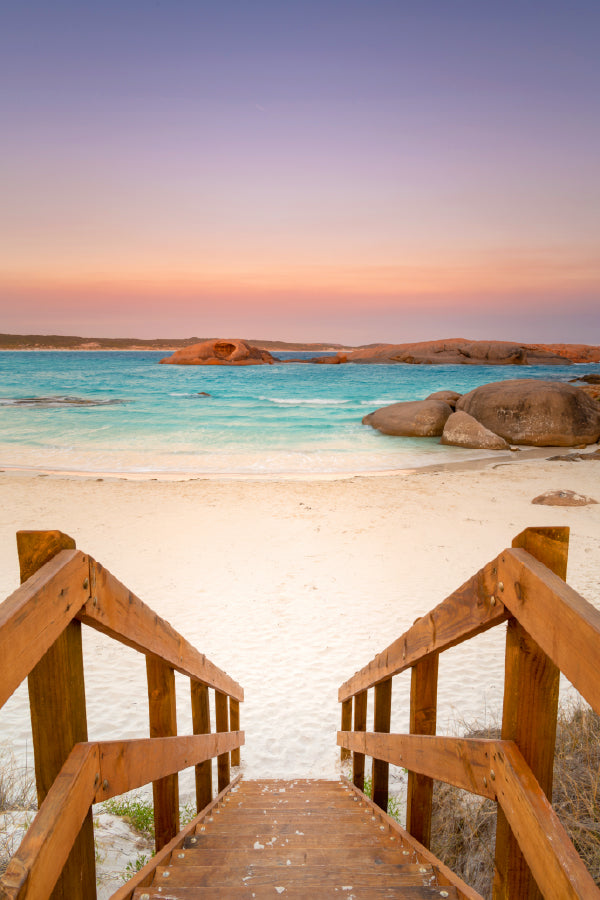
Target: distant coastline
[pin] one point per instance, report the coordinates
(452, 351)
(73, 342)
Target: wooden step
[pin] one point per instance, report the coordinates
(259, 892)
(299, 839)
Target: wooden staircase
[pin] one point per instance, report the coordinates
(295, 839)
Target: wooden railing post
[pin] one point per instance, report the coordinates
(58, 714)
(163, 723)
(423, 715)
(381, 722)
(234, 725)
(222, 723)
(201, 725)
(346, 724)
(360, 724)
(529, 715)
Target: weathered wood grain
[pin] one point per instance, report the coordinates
(36, 614)
(556, 866)
(346, 724)
(201, 725)
(222, 725)
(531, 685)
(116, 611)
(423, 717)
(126, 765)
(163, 723)
(234, 725)
(381, 722)
(57, 694)
(360, 724)
(463, 762)
(559, 620)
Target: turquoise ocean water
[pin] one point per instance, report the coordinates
(122, 412)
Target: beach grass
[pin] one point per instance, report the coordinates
(464, 825)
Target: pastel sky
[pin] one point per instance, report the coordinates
(343, 171)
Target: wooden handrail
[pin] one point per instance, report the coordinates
(551, 628)
(473, 608)
(114, 610)
(36, 613)
(40, 638)
(92, 773)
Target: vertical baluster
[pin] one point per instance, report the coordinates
(346, 725)
(163, 723)
(381, 722)
(201, 725)
(360, 724)
(234, 725)
(58, 714)
(222, 722)
(529, 716)
(423, 715)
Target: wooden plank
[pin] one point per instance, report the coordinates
(531, 687)
(222, 725)
(201, 725)
(324, 879)
(163, 723)
(117, 612)
(560, 620)
(262, 892)
(126, 765)
(34, 616)
(146, 874)
(556, 866)
(365, 856)
(35, 868)
(463, 762)
(423, 717)
(234, 724)
(360, 724)
(57, 695)
(346, 725)
(381, 722)
(470, 610)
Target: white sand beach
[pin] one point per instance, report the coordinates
(291, 585)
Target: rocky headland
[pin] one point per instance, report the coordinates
(458, 351)
(521, 411)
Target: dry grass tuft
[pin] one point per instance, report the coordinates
(464, 826)
(17, 795)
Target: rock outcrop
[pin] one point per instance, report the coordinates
(415, 418)
(537, 413)
(450, 397)
(220, 353)
(458, 351)
(462, 430)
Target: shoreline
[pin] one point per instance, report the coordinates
(504, 457)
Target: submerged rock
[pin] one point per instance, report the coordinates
(220, 353)
(538, 413)
(462, 430)
(415, 418)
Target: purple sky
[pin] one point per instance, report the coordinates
(344, 171)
